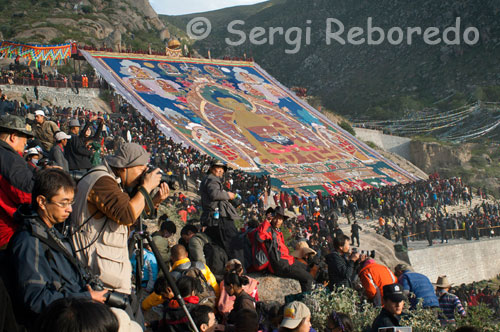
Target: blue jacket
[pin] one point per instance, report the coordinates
(40, 274)
(421, 286)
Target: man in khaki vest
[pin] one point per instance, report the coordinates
(104, 211)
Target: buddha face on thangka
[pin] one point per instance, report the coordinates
(138, 86)
(166, 86)
(139, 73)
(169, 69)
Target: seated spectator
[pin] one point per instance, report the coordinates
(374, 277)
(339, 322)
(341, 263)
(57, 152)
(307, 256)
(33, 156)
(80, 315)
(46, 250)
(149, 268)
(296, 318)
(175, 318)
(226, 302)
(181, 265)
(161, 293)
(393, 303)
(202, 249)
(204, 318)
(160, 238)
(281, 262)
(418, 284)
(243, 315)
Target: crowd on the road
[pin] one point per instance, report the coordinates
(116, 160)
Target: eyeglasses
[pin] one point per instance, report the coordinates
(62, 204)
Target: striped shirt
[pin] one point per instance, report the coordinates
(448, 303)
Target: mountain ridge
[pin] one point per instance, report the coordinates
(381, 81)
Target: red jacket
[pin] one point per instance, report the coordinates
(16, 184)
(273, 244)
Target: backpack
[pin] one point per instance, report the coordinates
(260, 259)
(203, 290)
(216, 259)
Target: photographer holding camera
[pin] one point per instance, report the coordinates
(40, 270)
(110, 199)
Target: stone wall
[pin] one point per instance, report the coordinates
(394, 144)
(462, 263)
(65, 97)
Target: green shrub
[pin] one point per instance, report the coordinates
(87, 9)
(321, 302)
(347, 127)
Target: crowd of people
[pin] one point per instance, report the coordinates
(70, 247)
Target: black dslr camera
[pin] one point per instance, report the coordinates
(170, 180)
(113, 299)
(368, 253)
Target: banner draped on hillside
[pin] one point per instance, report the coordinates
(240, 114)
(50, 54)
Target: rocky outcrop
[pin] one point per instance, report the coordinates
(431, 157)
(272, 288)
(102, 22)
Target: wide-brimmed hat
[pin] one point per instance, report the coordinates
(393, 292)
(14, 123)
(302, 249)
(281, 211)
(443, 282)
(218, 163)
(293, 314)
(128, 155)
(74, 123)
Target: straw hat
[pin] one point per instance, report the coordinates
(443, 282)
(302, 249)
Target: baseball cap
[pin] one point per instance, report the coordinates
(14, 123)
(39, 112)
(60, 135)
(294, 313)
(393, 292)
(32, 151)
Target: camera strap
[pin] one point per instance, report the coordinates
(149, 203)
(52, 241)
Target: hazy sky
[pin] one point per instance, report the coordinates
(180, 7)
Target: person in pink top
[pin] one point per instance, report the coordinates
(225, 302)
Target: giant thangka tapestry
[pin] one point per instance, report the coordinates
(240, 114)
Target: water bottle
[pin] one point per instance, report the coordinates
(216, 214)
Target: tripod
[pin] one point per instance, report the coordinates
(138, 239)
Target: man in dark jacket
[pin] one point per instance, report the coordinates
(38, 253)
(218, 214)
(16, 179)
(355, 228)
(393, 302)
(77, 154)
(418, 284)
(341, 269)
